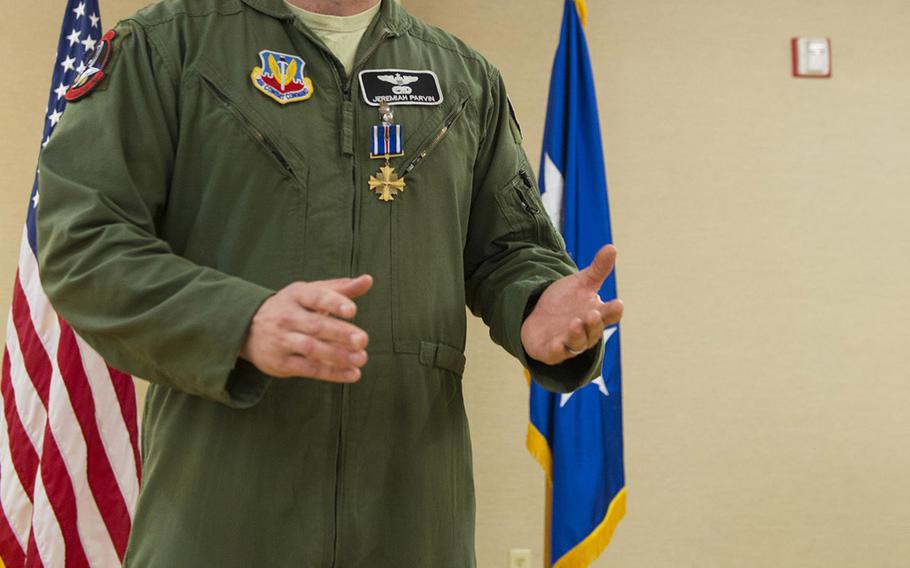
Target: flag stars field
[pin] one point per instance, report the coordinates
(87, 447)
(60, 91)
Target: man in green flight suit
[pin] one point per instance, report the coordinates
(225, 171)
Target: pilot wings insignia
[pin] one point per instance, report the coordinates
(400, 81)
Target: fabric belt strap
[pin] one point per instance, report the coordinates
(433, 354)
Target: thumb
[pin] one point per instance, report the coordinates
(600, 267)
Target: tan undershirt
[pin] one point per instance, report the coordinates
(341, 34)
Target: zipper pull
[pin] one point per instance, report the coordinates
(529, 207)
(525, 202)
(257, 134)
(525, 178)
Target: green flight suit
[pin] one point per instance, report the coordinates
(175, 198)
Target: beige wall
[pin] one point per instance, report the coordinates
(28, 35)
(761, 225)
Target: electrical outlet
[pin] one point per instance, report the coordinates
(520, 558)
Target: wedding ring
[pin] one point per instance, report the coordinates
(572, 351)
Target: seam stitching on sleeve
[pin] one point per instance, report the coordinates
(159, 50)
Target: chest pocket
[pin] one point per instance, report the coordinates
(252, 122)
(431, 133)
(427, 226)
(247, 183)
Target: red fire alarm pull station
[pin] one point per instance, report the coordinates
(811, 57)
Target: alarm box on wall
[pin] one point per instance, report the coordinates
(811, 57)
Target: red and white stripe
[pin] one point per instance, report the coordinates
(69, 448)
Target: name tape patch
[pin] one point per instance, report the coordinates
(400, 87)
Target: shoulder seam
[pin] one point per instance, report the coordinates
(492, 74)
(174, 16)
(157, 48)
(448, 48)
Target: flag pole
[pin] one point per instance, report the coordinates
(547, 523)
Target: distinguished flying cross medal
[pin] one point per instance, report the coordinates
(386, 144)
(280, 76)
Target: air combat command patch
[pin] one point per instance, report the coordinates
(280, 76)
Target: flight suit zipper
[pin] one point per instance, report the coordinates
(345, 90)
(355, 232)
(527, 193)
(347, 97)
(428, 146)
(267, 144)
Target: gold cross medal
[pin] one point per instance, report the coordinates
(386, 144)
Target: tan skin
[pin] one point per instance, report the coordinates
(301, 331)
(304, 330)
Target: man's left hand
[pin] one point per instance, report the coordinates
(570, 317)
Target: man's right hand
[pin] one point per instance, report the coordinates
(297, 333)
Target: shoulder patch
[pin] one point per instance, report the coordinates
(93, 72)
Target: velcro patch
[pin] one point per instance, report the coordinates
(93, 72)
(400, 87)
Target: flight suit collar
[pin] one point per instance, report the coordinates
(395, 18)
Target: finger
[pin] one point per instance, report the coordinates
(327, 328)
(351, 287)
(330, 353)
(600, 267)
(296, 366)
(577, 339)
(318, 298)
(611, 312)
(594, 327)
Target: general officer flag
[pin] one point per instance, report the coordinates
(69, 447)
(577, 437)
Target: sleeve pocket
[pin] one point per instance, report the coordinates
(520, 205)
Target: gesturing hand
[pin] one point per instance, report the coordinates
(297, 333)
(570, 316)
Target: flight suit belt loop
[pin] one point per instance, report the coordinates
(432, 354)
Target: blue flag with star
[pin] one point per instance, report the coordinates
(577, 437)
(79, 34)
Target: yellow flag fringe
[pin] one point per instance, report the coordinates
(582, 12)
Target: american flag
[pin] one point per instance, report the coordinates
(69, 455)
